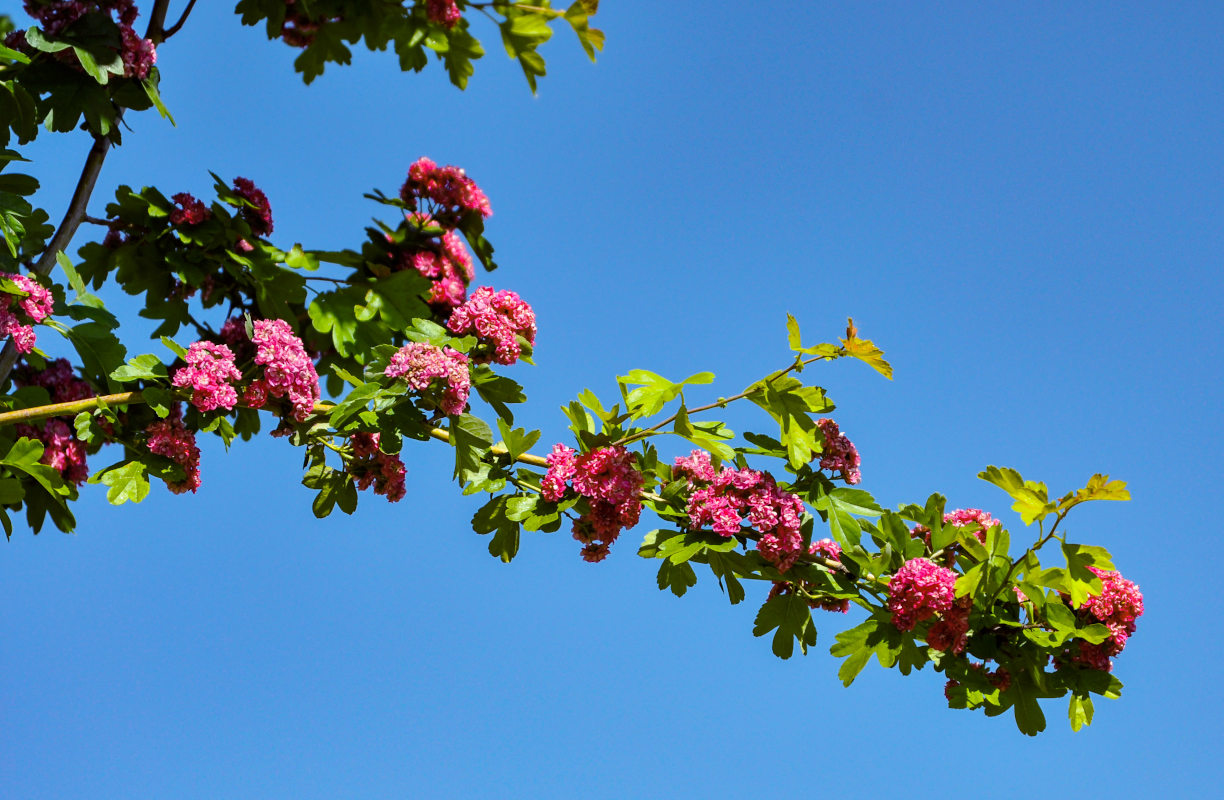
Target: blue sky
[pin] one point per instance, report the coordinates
(1022, 206)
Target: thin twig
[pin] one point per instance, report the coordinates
(173, 29)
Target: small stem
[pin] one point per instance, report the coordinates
(1041, 542)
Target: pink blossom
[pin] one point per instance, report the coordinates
(738, 496)
(966, 516)
(1117, 606)
(372, 467)
(17, 312)
(188, 210)
(951, 631)
(451, 195)
(58, 378)
(610, 481)
(55, 17)
(497, 319)
(62, 451)
(697, 467)
(419, 364)
(919, 590)
(259, 217)
(444, 12)
(209, 374)
(169, 437)
(288, 371)
(827, 548)
(839, 454)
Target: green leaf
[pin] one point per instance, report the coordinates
(146, 367)
(792, 333)
(83, 297)
(505, 543)
(127, 482)
(154, 95)
(856, 645)
(677, 577)
(471, 438)
(1029, 717)
(1080, 710)
(1032, 498)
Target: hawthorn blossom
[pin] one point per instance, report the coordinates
(696, 466)
(61, 449)
(451, 194)
(419, 364)
(209, 374)
(259, 217)
(951, 631)
(138, 54)
(962, 517)
(1117, 606)
(188, 210)
(610, 481)
(18, 315)
(735, 497)
(497, 319)
(839, 454)
(444, 12)
(372, 467)
(919, 590)
(169, 437)
(288, 371)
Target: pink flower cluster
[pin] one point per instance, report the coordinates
(169, 437)
(443, 259)
(372, 467)
(419, 364)
(839, 454)
(497, 319)
(288, 371)
(209, 374)
(449, 193)
(299, 28)
(951, 632)
(61, 449)
(55, 16)
(1117, 606)
(919, 590)
(259, 217)
(188, 210)
(965, 516)
(234, 336)
(58, 378)
(724, 498)
(608, 478)
(17, 313)
(444, 12)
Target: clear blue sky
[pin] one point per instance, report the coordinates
(1022, 205)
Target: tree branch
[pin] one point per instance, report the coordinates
(156, 31)
(173, 29)
(63, 235)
